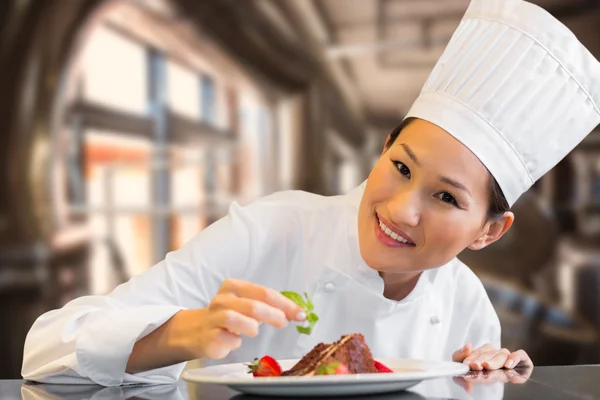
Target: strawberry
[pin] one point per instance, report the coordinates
(382, 368)
(266, 366)
(333, 368)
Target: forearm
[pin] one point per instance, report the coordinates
(90, 340)
(167, 345)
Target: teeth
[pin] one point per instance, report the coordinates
(391, 234)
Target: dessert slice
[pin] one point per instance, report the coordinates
(351, 351)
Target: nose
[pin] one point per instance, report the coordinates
(405, 208)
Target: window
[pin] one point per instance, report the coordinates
(183, 98)
(117, 179)
(207, 114)
(142, 191)
(115, 71)
(208, 105)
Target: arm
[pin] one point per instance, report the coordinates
(484, 325)
(214, 331)
(90, 340)
(473, 319)
(482, 343)
(167, 345)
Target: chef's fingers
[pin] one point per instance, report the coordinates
(496, 361)
(244, 289)
(461, 354)
(219, 343)
(235, 322)
(261, 312)
(477, 352)
(477, 363)
(519, 358)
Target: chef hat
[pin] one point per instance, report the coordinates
(516, 87)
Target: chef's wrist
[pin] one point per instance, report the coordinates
(169, 344)
(182, 339)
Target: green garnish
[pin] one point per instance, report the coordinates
(308, 307)
(328, 369)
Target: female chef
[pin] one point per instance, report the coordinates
(512, 94)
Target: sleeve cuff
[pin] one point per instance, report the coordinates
(107, 339)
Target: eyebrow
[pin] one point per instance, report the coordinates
(410, 154)
(457, 185)
(444, 179)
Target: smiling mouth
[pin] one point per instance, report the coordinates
(393, 235)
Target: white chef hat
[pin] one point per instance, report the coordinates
(516, 87)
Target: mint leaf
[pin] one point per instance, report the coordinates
(328, 369)
(307, 306)
(312, 320)
(296, 298)
(304, 329)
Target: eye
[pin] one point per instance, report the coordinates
(402, 168)
(447, 198)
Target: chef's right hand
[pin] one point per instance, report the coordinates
(238, 309)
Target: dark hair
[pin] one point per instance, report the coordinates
(497, 202)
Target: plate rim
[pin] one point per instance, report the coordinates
(452, 369)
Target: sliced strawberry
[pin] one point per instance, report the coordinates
(266, 366)
(333, 368)
(382, 368)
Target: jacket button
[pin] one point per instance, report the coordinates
(329, 287)
(434, 320)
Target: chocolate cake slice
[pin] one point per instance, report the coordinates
(350, 350)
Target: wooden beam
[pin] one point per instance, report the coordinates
(92, 115)
(187, 131)
(340, 95)
(182, 130)
(244, 31)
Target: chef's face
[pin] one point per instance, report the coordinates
(425, 201)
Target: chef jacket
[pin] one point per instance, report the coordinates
(290, 240)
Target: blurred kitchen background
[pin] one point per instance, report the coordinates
(129, 126)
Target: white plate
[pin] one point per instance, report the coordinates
(407, 373)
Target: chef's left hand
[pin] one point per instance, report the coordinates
(488, 358)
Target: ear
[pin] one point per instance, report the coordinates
(493, 231)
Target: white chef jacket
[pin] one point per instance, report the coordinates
(290, 240)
